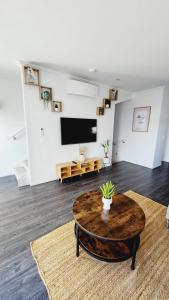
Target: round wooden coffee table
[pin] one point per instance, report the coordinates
(110, 236)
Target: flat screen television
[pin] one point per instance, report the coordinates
(77, 131)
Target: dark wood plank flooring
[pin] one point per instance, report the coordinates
(27, 213)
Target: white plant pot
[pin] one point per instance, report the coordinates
(106, 203)
(106, 160)
(82, 158)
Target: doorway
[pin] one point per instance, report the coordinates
(117, 140)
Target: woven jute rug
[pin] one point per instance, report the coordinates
(68, 277)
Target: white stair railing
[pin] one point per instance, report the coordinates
(14, 136)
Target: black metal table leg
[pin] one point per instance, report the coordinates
(136, 242)
(77, 239)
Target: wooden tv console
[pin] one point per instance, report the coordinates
(70, 169)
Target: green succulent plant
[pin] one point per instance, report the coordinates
(108, 190)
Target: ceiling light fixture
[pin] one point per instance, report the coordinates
(92, 70)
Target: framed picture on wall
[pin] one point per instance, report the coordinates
(100, 111)
(56, 106)
(113, 94)
(106, 103)
(31, 76)
(45, 93)
(141, 119)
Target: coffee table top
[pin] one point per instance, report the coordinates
(123, 221)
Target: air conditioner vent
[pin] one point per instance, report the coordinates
(85, 89)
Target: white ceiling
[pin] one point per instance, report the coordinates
(126, 39)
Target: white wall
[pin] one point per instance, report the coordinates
(11, 120)
(44, 152)
(142, 147)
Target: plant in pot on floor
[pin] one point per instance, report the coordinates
(108, 191)
(106, 146)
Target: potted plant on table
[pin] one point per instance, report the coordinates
(108, 191)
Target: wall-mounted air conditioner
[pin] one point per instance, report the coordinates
(85, 89)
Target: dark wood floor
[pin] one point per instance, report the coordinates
(27, 213)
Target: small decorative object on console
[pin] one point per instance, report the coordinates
(167, 216)
(82, 152)
(108, 190)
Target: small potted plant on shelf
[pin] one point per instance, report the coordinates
(108, 191)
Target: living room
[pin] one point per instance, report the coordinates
(84, 162)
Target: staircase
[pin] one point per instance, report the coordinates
(21, 171)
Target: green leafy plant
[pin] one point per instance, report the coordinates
(106, 144)
(108, 190)
(46, 97)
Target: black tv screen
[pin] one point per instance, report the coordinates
(77, 131)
